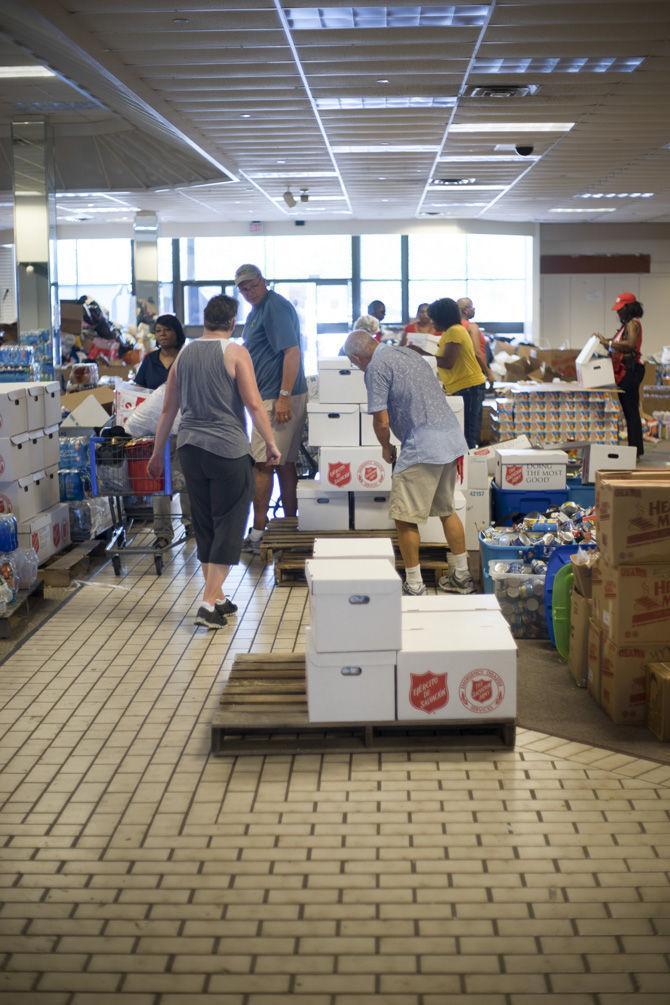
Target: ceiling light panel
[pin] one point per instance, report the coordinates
(348, 18)
(346, 104)
(592, 209)
(386, 148)
(24, 72)
(616, 195)
(487, 159)
(511, 127)
(581, 64)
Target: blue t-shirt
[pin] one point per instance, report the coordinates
(272, 327)
(152, 374)
(400, 381)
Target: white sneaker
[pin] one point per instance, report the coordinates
(414, 591)
(252, 546)
(451, 584)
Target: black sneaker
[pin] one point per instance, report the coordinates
(225, 607)
(209, 619)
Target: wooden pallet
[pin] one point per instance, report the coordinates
(264, 711)
(20, 609)
(282, 535)
(290, 566)
(70, 564)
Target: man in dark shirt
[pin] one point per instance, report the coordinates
(272, 336)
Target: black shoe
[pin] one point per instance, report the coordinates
(161, 543)
(225, 607)
(209, 619)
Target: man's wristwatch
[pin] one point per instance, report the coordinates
(284, 394)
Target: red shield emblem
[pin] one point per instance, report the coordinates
(2, 466)
(339, 473)
(428, 692)
(514, 474)
(5, 504)
(481, 690)
(56, 534)
(35, 538)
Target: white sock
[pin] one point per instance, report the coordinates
(255, 535)
(461, 568)
(413, 576)
(208, 607)
(451, 561)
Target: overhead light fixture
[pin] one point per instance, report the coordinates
(577, 64)
(485, 158)
(181, 20)
(245, 115)
(505, 91)
(459, 204)
(105, 209)
(468, 188)
(594, 209)
(304, 195)
(452, 181)
(383, 80)
(383, 101)
(511, 127)
(348, 18)
(615, 195)
(17, 72)
(296, 174)
(387, 148)
(289, 198)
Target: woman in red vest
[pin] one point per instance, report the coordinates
(625, 351)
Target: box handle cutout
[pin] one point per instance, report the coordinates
(345, 373)
(333, 415)
(322, 499)
(359, 598)
(351, 671)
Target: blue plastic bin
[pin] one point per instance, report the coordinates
(583, 495)
(492, 552)
(507, 502)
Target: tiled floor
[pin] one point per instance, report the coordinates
(138, 870)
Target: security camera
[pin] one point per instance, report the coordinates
(523, 151)
(289, 198)
(304, 195)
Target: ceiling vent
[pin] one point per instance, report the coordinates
(452, 182)
(502, 91)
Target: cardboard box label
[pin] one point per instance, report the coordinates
(429, 691)
(339, 474)
(481, 691)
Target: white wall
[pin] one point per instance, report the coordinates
(574, 306)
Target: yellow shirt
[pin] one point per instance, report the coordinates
(466, 371)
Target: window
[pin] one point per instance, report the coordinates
(219, 257)
(390, 293)
(380, 256)
(100, 269)
(436, 256)
(319, 257)
(165, 259)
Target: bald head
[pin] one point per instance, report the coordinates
(466, 307)
(360, 347)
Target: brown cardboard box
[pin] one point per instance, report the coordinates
(562, 361)
(583, 578)
(633, 602)
(633, 516)
(593, 671)
(658, 700)
(114, 370)
(580, 614)
(71, 317)
(105, 395)
(622, 682)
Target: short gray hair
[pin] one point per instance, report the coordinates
(360, 343)
(367, 323)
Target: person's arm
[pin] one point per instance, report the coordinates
(629, 337)
(283, 334)
(289, 375)
(243, 373)
(449, 355)
(165, 423)
(141, 375)
(382, 429)
(473, 331)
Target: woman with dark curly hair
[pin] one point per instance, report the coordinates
(625, 351)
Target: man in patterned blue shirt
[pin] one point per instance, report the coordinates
(405, 398)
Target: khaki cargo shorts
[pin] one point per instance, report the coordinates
(288, 435)
(423, 490)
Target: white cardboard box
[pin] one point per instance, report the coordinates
(60, 526)
(475, 472)
(456, 666)
(424, 340)
(517, 470)
(607, 458)
(360, 469)
(354, 547)
(37, 458)
(451, 602)
(48, 487)
(371, 511)
(477, 515)
(354, 605)
(35, 400)
(351, 686)
(50, 445)
(489, 453)
(432, 531)
(593, 370)
(36, 533)
(13, 410)
(340, 382)
(17, 457)
(332, 425)
(368, 438)
(52, 407)
(20, 497)
(320, 508)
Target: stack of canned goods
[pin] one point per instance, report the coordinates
(569, 524)
(519, 586)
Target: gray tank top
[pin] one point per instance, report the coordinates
(212, 413)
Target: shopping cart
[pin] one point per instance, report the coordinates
(119, 468)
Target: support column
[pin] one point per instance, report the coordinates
(145, 258)
(35, 237)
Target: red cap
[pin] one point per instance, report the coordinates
(623, 299)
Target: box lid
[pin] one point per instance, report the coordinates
(15, 392)
(18, 439)
(451, 602)
(337, 661)
(35, 391)
(353, 547)
(515, 456)
(592, 348)
(312, 488)
(337, 363)
(51, 430)
(35, 523)
(356, 577)
(478, 631)
(316, 407)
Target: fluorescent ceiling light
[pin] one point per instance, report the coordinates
(467, 188)
(580, 64)
(459, 204)
(616, 195)
(319, 198)
(354, 104)
(511, 127)
(92, 195)
(387, 148)
(486, 159)
(444, 16)
(106, 209)
(594, 209)
(7, 72)
(294, 174)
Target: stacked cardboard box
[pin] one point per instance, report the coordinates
(553, 414)
(630, 624)
(29, 418)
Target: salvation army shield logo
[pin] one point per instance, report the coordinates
(481, 691)
(55, 533)
(339, 473)
(428, 692)
(514, 474)
(370, 474)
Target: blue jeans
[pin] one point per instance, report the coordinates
(473, 400)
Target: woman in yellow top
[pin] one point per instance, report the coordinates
(457, 365)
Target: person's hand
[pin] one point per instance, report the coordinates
(601, 338)
(283, 411)
(155, 465)
(389, 453)
(272, 453)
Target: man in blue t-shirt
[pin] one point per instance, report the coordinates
(272, 336)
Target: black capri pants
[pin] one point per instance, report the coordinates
(220, 489)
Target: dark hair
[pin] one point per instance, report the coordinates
(375, 303)
(444, 313)
(219, 313)
(172, 322)
(630, 311)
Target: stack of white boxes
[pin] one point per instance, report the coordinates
(351, 462)
(400, 658)
(29, 418)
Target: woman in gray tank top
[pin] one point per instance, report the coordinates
(213, 381)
